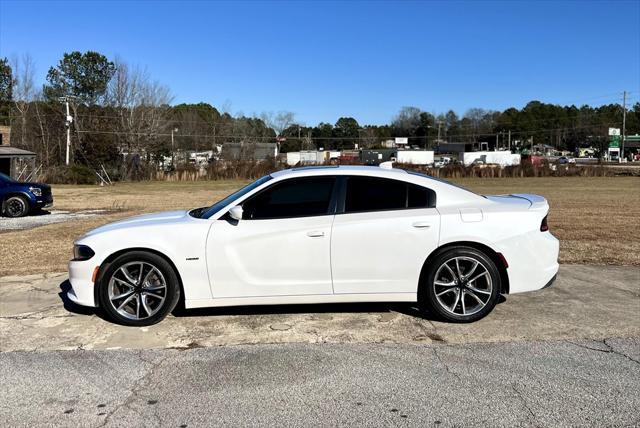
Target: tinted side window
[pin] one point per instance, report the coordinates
(420, 197)
(379, 194)
(300, 197)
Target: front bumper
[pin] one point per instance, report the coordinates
(44, 201)
(82, 287)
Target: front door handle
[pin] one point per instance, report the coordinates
(315, 234)
(421, 224)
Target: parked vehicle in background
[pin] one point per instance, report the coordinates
(441, 162)
(565, 160)
(322, 235)
(19, 199)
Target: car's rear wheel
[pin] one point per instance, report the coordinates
(461, 285)
(138, 289)
(16, 206)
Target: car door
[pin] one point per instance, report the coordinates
(381, 236)
(280, 247)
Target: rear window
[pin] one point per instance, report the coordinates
(421, 174)
(381, 194)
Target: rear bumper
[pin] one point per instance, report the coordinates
(533, 262)
(82, 287)
(550, 283)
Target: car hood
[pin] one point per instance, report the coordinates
(25, 184)
(155, 219)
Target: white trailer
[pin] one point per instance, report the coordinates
(305, 157)
(500, 157)
(415, 157)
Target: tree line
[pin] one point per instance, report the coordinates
(118, 108)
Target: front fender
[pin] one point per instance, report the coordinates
(184, 247)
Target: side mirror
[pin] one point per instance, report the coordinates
(236, 212)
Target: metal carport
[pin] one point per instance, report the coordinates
(16, 163)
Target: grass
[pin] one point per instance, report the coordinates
(597, 219)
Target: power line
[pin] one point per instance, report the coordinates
(354, 138)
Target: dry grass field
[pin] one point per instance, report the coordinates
(596, 219)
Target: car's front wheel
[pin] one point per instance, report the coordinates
(16, 206)
(138, 289)
(462, 285)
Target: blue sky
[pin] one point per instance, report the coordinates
(322, 60)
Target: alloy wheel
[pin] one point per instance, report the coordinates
(15, 207)
(137, 290)
(463, 286)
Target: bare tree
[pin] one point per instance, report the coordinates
(407, 120)
(141, 107)
(368, 138)
(278, 121)
(23, 88)
(481, 121)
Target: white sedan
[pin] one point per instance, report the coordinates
(322, 235)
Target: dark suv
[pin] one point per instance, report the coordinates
(19, 199)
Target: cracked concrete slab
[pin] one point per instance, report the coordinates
(593, 302)
(529, 383)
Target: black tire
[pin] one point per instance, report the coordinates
(146, 291)
(16, 206)
(456, 296)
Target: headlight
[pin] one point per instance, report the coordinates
(36, 191)
(81, 253)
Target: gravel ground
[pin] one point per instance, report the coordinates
(46, 217)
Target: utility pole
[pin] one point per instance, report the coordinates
(439, 123)
(67, 122)
(624, 123)
(509, 140)
(214, 138)
(173, 153)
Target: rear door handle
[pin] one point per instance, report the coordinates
(315, 234)
(421, 224)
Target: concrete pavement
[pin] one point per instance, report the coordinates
(564, 356)
(531, 383)
(592, 302)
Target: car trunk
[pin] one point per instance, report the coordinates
(522, 200)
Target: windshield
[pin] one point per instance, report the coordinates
(4, 177)
(209, 211)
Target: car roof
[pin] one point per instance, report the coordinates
(339, 170)
(448, 193)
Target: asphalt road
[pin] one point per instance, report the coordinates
(552, 383)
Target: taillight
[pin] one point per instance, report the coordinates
(544, 227)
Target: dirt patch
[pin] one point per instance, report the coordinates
(595, 218)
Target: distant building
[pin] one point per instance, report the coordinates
(450, 148)
(388, 144)
(544, 149)
(249, 151)
(14, 162)
(5, 135)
